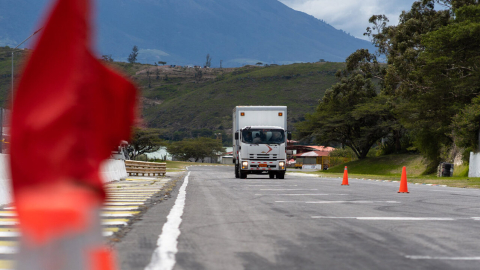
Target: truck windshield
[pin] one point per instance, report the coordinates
(263, 136)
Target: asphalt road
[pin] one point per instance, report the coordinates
(304, 222)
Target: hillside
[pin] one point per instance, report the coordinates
(184, 32)
(181, 100)
(182, 103)
(6, 71)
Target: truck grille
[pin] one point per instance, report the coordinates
(263, 156)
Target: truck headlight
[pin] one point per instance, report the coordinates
(245, 165)
(281, 164)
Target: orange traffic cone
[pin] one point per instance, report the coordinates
(403, 182)
(345, 177)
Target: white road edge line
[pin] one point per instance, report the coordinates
(413, 257)
(163, 258)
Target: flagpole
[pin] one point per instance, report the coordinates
(13, 51)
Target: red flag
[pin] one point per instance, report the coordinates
(69, 110)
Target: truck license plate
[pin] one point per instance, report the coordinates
(262, 165)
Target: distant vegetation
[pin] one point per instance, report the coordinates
(428, 98)
(6, 72)
(187, 102)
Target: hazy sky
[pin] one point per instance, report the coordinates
(350, 15)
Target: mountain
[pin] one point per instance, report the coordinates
(183, 32)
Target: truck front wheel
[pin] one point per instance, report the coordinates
(281, 175)
(237, 175)
(243, 175)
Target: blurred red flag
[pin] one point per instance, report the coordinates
(70, 111)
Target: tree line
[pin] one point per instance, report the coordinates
(419, 90)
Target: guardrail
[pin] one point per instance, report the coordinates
(142, 167)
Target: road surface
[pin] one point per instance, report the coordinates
(305, 222)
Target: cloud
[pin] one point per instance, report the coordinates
(351, 15)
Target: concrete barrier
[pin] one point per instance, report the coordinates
(110, 170)
(5, 185)
(474, 165)
(113, 169)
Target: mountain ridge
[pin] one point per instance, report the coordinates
(184, 32)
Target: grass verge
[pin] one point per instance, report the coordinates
(390, 168)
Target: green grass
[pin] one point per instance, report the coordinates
(389, 167)
(209, 105)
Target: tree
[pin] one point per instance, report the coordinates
(221, 61)
(198, 74)
(466, 127)
(259, 63)
(208, 63)
(149, 79)
(432, 71)
(350, 113)
(198, 148)
(157, 72)
(144, 141)
(107, 58)
(132, 58)
(162, 63)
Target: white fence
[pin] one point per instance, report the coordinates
(110, 170)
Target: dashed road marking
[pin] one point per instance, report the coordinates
(337, 202)
(417, 257)
(285, 189)
(307, 194)
(394, 218)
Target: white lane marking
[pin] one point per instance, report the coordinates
(390, 218)
(360, 202)
(117, 215)
(17, 234)
(8, 214)
(8, 250)
(406, 218)
(118, 208)
(106, 234)
(9, 234)
(272, 185)
(117, 200)
(415, 257)
(123, 203)
(106, 223)
(9, 223)
(285, 189)
(163, 258)
(333, 202)
(318, 194)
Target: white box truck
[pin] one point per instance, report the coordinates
(260, 140)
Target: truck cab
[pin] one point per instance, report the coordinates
(260, 149)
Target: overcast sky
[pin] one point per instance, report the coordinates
(351, 15)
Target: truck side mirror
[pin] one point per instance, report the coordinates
(289, 136)
(236, 135)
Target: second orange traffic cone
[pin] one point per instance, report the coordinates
(403, 182)
(345, 177)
